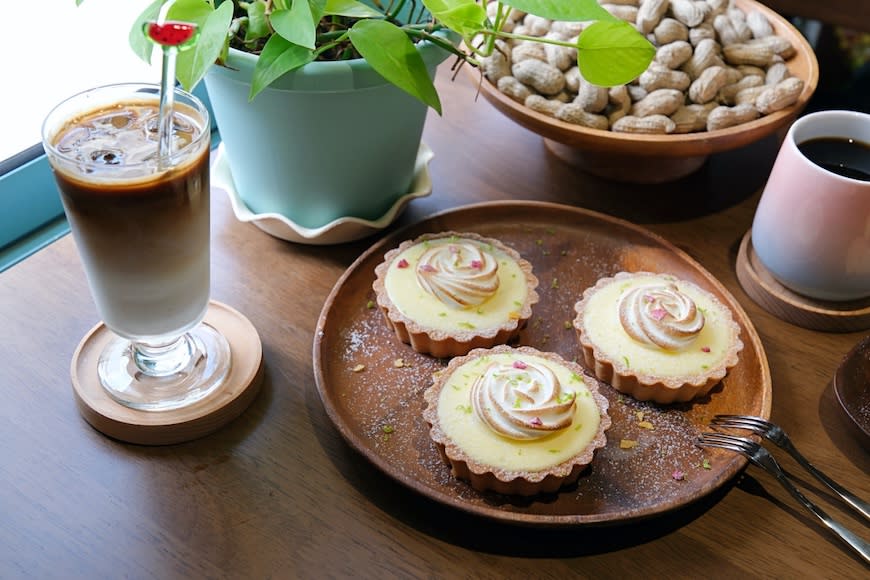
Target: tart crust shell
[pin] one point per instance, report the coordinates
(649, 387)
(484, 477)
(455, 342)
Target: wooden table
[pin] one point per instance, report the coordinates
(852, 14)
(278, 493)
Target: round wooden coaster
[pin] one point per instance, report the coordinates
(177, 425)
(795, 308)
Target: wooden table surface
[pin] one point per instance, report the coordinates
(278, 493)
(854, 14)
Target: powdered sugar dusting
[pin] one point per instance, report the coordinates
(382, 402)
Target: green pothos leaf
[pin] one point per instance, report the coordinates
(299, 23)
(258, 23)
(463, 16)
(142, 47)
(192, 64)
(279, 56)
(351, 8)
(612, 53)
(392, 54)
(571, 10)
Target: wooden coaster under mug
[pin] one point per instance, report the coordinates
(795, 308)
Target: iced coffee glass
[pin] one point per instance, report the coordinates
(140, 220)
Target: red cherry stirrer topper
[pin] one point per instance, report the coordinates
(173, 33)
(171, 36)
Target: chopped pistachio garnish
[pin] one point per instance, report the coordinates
(627, 443)
(387, 429)
(358, 368)
(705, 464)
(567, 325)
(370, 304)
(467, 325)
(627, 363)
(400, 362)
(464, 408)
(554, 284)
(565, 397)
(646, 425)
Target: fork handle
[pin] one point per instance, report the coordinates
(860, 547)
(854, 501)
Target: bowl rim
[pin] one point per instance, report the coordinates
(683, 144)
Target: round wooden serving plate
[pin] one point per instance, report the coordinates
(177, 425)
(636, 158)
(371, 384)
(795, 308)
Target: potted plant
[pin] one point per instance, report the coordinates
(360, 78)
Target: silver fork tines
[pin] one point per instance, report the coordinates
(776, 435)
(760, 457)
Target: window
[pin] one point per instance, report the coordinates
(72, 49)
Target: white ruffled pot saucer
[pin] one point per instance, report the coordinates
(340, 230)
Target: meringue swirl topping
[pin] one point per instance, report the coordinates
(661, 316)
(522, 400)
(460, 273)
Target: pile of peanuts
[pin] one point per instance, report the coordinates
(715, 66)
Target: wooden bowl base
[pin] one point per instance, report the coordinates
(173, 426)
(627, 168)
(795, 308)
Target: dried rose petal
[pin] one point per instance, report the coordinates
(678, 475)
(403, 263)
(518, 364)
(536, 421)
(658, 313)
(705, 349)
(427, 268)
(476, 264)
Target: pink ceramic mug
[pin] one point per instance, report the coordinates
(812, 225)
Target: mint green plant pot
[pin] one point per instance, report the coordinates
(329, 140)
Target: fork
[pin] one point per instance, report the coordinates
(760, 457)
(776, 435)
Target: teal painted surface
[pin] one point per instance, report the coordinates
(32, 213)
(32, 242)
(30, 199)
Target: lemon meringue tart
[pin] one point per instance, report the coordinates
(656, 337)
(516, 421)
(447, 293)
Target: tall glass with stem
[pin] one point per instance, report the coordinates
(139, 214)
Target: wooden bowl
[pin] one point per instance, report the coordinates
(637, 158)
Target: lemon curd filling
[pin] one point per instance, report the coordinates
(426, 309)
(477, 440)
(707, 350)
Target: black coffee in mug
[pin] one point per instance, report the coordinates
(843, 156)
